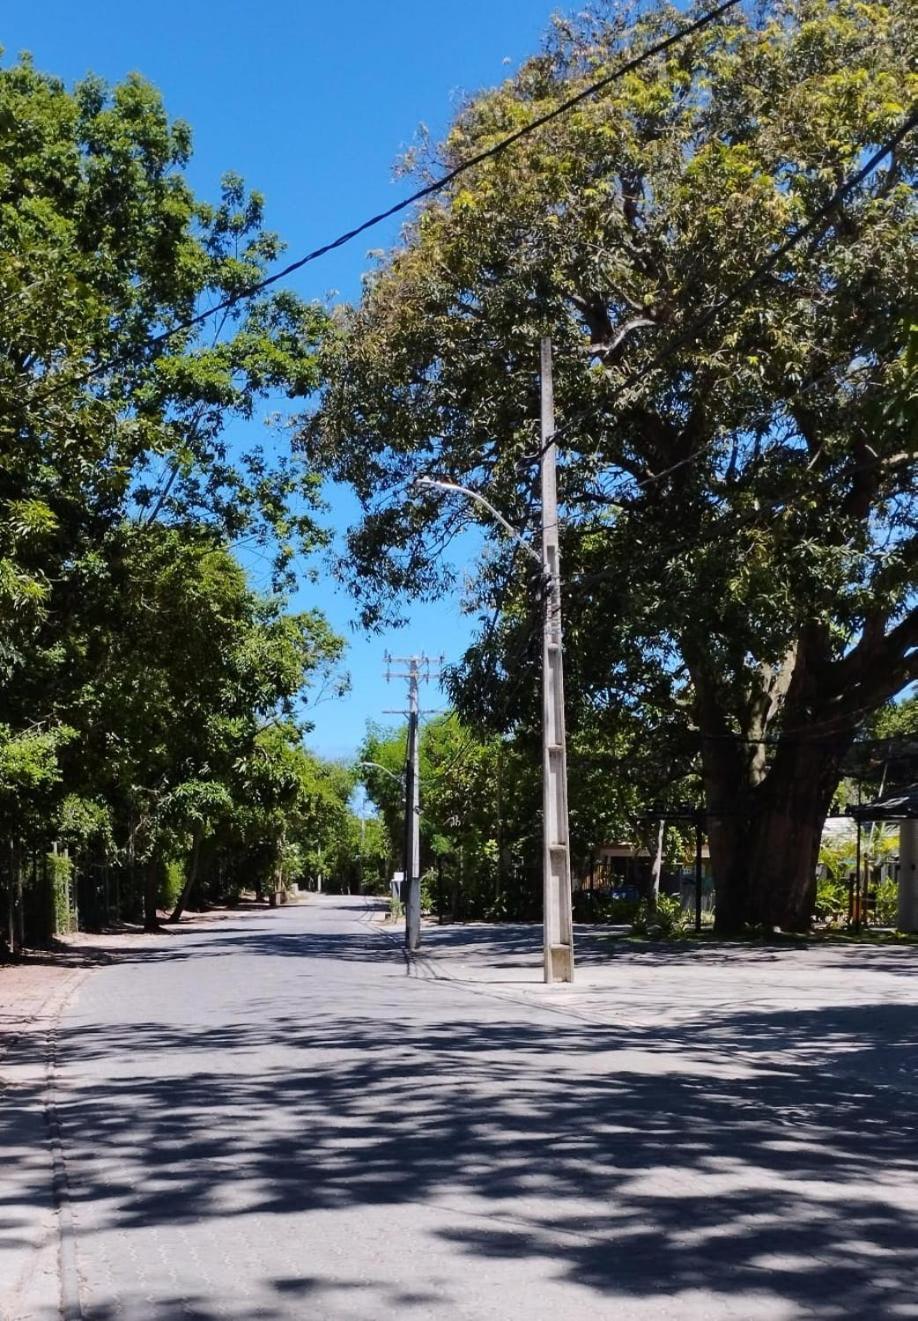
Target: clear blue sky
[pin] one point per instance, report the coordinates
(311, 103)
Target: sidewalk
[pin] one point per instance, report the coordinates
(33, 993)
(848, 1009)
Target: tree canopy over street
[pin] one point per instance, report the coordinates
(738, 534)
(141, 673)
(719, 242)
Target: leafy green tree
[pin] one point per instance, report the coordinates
(29, 777)
(121, 490)
(185, 667)
(103, 247)
(739, 528)
(194, 808)
(293, 816)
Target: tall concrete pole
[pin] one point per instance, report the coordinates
(908, 876)
(556, 862)
(413, 810)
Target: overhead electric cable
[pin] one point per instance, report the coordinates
(818, 223)
(429, 190)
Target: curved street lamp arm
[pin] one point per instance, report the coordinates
(455, 489)
(399, 779)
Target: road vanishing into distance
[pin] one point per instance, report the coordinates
(273, 1116)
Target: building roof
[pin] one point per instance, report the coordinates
(897, 805)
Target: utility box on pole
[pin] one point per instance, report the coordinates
(556, 859)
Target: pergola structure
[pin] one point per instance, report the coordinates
(899, 805)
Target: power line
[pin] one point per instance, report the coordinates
(429, 190)
(818, 223)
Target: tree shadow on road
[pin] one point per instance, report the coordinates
(768, 1154)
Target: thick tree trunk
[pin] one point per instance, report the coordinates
(764, 838)
(795, 798)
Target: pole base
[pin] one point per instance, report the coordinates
(559, 963)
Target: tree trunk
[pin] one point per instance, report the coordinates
(656, 866)
(11, 915)
(178, 910)
(151, 895)
(764, 839)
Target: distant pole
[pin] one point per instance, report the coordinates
(656, 867)
(558, 936)
(857, 869)
(411, 884)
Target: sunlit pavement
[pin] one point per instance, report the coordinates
(280, 1118)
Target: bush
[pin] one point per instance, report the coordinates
(888, 903)
(60, 876)
(171, 882)
(604, 908)
(429, 891)
(666, 919)
(831, 901)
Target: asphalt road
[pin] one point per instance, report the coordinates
(276, 1118)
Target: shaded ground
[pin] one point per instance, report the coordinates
(278, 1119)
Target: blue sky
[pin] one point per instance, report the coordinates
(312, 104)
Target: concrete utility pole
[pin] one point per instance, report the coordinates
(556, 858)
(907, 919)
(418, 669)
(558, 929)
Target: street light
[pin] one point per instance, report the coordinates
(399, 779)
(410, 822)
(558, 930)
(456, 489)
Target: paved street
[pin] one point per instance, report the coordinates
(276, 1118)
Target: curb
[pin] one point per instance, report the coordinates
(51, 1009)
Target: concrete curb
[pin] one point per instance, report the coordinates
(50, 1009)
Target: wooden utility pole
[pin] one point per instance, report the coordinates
(556, 860)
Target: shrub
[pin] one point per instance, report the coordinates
(888, 903)
(60, 875)
(831, 900)
(171, 882)
(604, 908)
(666, 919)
(429, 892)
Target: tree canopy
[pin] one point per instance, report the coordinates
(738, 537)
(138, 668)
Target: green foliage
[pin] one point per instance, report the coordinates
(831, 900)
(478, 819)
(660, 921)
(139, 671)
(60, 878)
(887, 911)
(429, 891)
(172, 881)
(604, 908)
(738, 528)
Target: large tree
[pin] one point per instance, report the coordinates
(125, 480)
(738, 523)
(111, 406)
